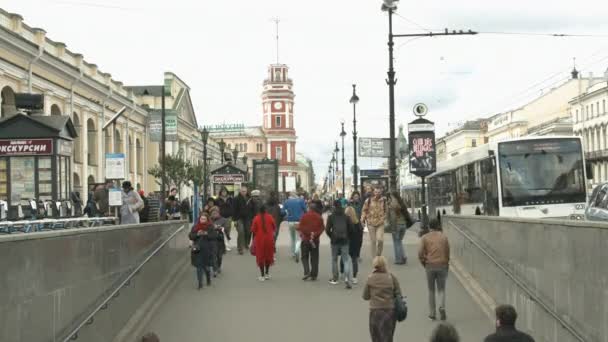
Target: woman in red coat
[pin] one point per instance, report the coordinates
(263, 228)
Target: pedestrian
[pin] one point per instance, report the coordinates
(239, 216)
(355, 242)
(131, 204)
(172, 209)
(311, 227)
(150, 337)
(145, 211)
(399, 220)
(445, 332)
(262, 228)
(209, 206)
(254, 204)
(184, 209)
(101, 198)
(373, 215)
(201, 255)
(340, 230)
(381, 289)
(505, 327)
(226, 204)
(434, 255)
(220, 225)
(278, 213)
(90, 210)
(295, 207)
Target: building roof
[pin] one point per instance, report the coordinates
(151, 90)
(21, 126)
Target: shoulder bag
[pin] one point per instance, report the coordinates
(400, 303)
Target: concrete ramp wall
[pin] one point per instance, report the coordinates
(51, 281)
(554, 272)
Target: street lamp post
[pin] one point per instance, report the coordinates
(235, 155)
(343, 134)
(336, 151)
(222, 146)
(354, 100)
(205, 138)
(244, 159)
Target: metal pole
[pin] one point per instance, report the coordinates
(425, 220)
(355, 171)
(343, 134)
(162, 153)
(392, 167)
(205, 177)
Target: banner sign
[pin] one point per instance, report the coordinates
(115, 166)
(374, 147)
(156, 127)
(26, 147)
(422, 154)
(228, 179)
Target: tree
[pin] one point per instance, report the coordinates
(176, 171)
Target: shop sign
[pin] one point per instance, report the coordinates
(228, 179)
(115, 166)
(65, 148)
(26, 147)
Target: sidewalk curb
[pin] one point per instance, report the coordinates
(472, 286)
(140, 319)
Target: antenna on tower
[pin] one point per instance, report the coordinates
(277, 21)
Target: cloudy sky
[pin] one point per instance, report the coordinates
(222, 49)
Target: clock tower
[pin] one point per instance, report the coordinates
(277, 106)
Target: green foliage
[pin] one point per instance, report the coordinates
(178, 172)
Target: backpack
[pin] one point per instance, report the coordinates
(340, 228)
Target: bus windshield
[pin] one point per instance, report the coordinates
(547, 171)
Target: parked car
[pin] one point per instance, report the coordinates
(597, 208)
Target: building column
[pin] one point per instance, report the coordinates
(84, 148)
(269, 152)
(288, 152)
(100, 151)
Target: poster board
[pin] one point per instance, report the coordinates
(115, 197)
(115, 166)
(266, 176)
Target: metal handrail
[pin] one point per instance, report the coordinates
(523, 286)
(73, 335)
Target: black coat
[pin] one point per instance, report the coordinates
(350, 229)
(205, 255)
(226, 206)
(239, 208)
(508, 334)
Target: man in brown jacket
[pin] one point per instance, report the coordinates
(434, 255)
(373, 214)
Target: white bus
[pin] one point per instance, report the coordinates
(532, 177)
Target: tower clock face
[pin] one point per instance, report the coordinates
(278, 105)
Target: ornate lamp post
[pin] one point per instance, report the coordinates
(235, 155)
(343, 134)
(336, 150)
(205, 139)
(354, 100)
(222, 146)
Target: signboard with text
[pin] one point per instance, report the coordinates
(266, 176)
(374, 147)
(156, 127)
(422, 152)
(115, 166)
(26, 147)
(228, 179)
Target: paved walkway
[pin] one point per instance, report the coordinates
(239, 308)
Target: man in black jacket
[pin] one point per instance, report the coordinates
(239, 216)
(226, 204)
(505, 327)
(340, 229)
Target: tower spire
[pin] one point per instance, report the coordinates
(277, 21)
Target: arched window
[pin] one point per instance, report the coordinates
(117, 142)
(77, 145)
(55, 110)
(140, 161)
(90, 181)
(131, 156)
(91, 143)
(8, 102)
(108, 140)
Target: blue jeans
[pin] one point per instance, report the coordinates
(342, 251)
(295, 238)
(398, 234)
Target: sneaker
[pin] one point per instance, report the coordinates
(297, 259)
(260, 278)
(349, 286)
(306, 277)
(228, 249)
(442, 315)
(267, 277)
(313, 279)
(333, 281)
(355, 281)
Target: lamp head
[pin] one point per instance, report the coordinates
(354, 99)
(205, 135)
(389, 5)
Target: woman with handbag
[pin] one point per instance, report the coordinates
(381, 290)
(398, 219)
(263, 229)
(201, 255)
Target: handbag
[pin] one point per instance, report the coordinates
(252, 248)
(400, 303)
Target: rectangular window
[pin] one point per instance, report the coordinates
(279, 153)
(576, 115)
(592, 112)
(473, 143)
(278, 121)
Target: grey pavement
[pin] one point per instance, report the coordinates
(237, 307)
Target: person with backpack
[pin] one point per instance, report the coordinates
(399, 220)
(381, 289)
(373, 215)
(340, 230)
